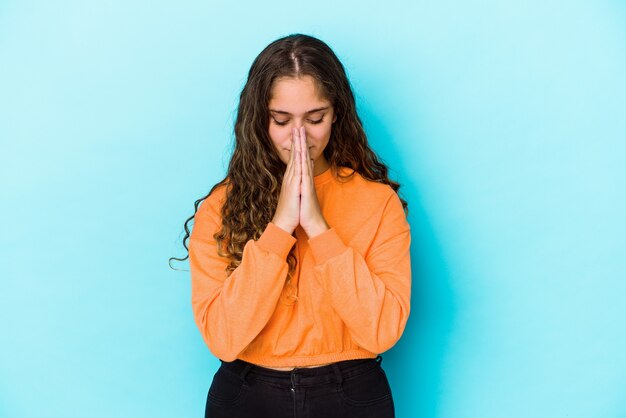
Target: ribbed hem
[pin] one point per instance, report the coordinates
(313, 360)
(276, 240)
(326, 245)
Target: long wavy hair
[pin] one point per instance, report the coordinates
(255, 172)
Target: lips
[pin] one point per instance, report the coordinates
(290, 150)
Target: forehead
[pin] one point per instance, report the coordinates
(296, 95)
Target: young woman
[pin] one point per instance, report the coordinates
(299, 257)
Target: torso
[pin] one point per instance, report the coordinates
(291, 368)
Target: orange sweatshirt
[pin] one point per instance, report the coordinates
(350, 295)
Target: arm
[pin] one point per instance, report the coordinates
(371, 294)
(231, 311)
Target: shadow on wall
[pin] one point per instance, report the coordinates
(424, 343)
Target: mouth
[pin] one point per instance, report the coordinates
(287, 149)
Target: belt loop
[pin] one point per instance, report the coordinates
(337, 372)
(379, 359)
(245, 371)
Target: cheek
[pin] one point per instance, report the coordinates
(318, 134)
(279, 136)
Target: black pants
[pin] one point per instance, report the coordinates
(350, 388)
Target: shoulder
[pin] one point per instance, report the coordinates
(212, 205)
(372, 189)
(363, 193)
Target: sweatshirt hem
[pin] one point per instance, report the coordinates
(310, 360)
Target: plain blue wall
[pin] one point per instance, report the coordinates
(504, 122)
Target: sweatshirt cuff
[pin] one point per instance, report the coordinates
(326, 245)
(276, 240)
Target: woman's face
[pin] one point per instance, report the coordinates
(296, 102)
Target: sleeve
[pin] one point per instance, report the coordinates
(231, 311)
(371, 294)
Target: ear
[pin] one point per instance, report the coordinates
(334, 118)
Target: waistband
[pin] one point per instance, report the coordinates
(302, 376)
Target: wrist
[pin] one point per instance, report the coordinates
(317, 229)
(283, 226)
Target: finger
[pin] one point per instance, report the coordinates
(297, 138)
(292, 156)
(311, 164)
(308, 156)
(303, 153)
(289, 170)
(298, 168)
(298, 156)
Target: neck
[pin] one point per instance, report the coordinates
(321, 165)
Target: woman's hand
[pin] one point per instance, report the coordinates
(287, 215)
(311, 217)
(298, 203)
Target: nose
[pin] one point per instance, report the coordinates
(297, 129)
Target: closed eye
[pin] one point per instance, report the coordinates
(283, 123)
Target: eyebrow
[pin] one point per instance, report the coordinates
(282, 112)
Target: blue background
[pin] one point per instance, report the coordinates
(503, 121)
